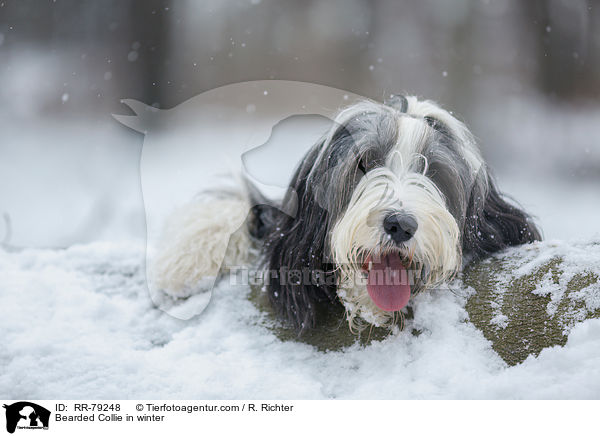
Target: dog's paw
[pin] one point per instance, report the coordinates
(175, 288)
(200, 240)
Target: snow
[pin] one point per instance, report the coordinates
(79, 323)
(574, 259)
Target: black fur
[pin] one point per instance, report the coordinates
(295, 246)
(450, 173)
(493, 223)
(488, 221)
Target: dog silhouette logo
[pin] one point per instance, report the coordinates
(26, 415)
(194, 148)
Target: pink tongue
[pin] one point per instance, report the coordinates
(388, 284)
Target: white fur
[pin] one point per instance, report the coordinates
(199, 239)
(470, 149)
(436, 242)
(398, 187)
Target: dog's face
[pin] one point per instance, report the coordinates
(387, 203)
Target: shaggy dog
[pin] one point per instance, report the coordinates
(386, 205)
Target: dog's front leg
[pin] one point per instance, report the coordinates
(200, 241)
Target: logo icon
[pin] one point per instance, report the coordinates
(26, 415)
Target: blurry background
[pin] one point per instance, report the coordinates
(524, 75)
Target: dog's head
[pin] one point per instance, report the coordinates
(388, 202)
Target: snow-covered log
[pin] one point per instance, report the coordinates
(529, 298)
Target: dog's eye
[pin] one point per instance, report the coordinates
(361, 166)
(438, 126)
(432, 122)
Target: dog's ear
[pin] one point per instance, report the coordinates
(298, 274)
(398, 102)
(492, 222)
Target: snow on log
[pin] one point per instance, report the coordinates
(529, 298)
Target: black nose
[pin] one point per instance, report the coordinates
(401, 227)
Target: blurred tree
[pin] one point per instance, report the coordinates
(567, 46)
(99, 51)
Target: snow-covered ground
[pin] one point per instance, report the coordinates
(79, 322)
